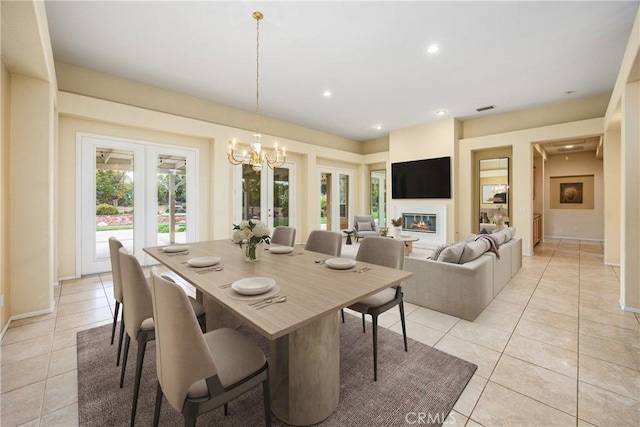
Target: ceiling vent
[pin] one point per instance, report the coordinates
(565, 149)
(488, 107)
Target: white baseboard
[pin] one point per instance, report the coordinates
(610, 264)
(62, 279)
(33, 313)
(4, 330)
(629, 309)
(573, 238)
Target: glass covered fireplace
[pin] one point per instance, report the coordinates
(417, 222)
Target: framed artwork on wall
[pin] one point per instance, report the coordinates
(571, 192)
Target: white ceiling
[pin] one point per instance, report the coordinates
(370, 55)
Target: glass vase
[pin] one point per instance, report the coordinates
(251, 252)
(398, 230)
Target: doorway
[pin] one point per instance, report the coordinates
(267, 196)
(134, 191)
(335, 198)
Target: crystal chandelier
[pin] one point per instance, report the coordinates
(255, 156)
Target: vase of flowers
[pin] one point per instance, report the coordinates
(249, 235)
(397, 225)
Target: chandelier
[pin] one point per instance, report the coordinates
(255, 155)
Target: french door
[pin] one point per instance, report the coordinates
(335, 198)
(134, 191)
(267, 196)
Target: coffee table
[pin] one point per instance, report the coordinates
(408, 243)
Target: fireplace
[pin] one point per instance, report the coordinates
(419, 222)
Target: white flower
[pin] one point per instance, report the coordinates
(260, 230)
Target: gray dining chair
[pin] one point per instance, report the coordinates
(389, 253)
(114, 246)
(283, 235)
(196, 372)
(325, 242)
(138, 317)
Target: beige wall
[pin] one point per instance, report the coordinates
(438, 139)
(5, 288)
(91, 83)
(31, 186)
(561, 112)
(522, 183)
(569, 222)
(612, 197)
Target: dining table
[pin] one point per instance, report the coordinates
(303, 327)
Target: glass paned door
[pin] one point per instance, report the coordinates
(111, 200)
(136, 192)
(335, 198)
(172, 207)
(379, 197)
(267, 196)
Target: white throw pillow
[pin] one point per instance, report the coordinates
(452, 253)
(364, 226)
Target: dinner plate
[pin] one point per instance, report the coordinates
(280, 249)
(253, 285)
(176, 248)
(204, 261)
(340, 263)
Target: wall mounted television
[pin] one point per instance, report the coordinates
(421, 179)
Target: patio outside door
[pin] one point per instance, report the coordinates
(267, 196)
(335, 198)
(134, 191)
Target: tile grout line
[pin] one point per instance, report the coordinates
(510, 336)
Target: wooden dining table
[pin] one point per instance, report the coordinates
(303, 330)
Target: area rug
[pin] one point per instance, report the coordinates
(420, 385)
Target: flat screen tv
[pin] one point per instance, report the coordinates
(421, 179)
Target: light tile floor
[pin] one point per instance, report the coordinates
(552, 349)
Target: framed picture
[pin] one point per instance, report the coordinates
(571, 192)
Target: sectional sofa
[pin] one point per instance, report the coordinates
(466, 275)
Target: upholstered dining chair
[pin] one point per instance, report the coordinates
(196, 372)
(138, 317)
(114, 246)
(389, 253)
(364, 226)
(284, 235)
(325, 242)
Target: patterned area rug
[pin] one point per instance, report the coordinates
(423, 383)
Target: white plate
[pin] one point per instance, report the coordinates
(176, 248)
(253, 285)
(204, 261)
(340, 263)
(280, 249)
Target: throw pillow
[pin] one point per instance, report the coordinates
(453, 253)
(501, 236)
(473, 250)
(484, 231)
(364, 226)
(434, 256)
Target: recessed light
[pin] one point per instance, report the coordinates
(433, 48)
(568, 92)
(441, 112)
(378, 127)
(326, 94)
(568, 146)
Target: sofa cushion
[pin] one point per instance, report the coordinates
(452, 253)
(364, 226)
(473, 250)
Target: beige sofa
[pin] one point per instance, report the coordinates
(462, 290)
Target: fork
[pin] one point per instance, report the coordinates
(362, 270)
(179, 254)
(207, 270)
